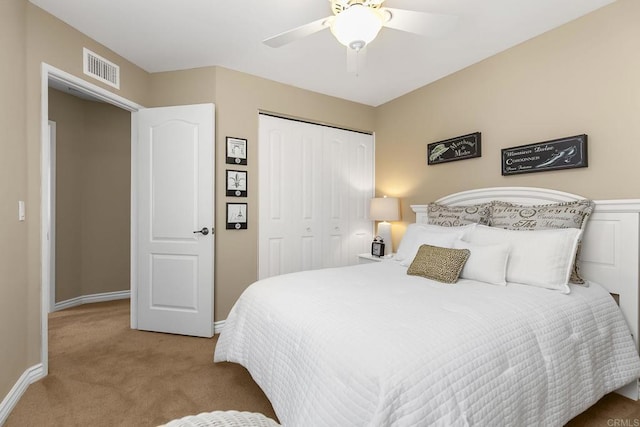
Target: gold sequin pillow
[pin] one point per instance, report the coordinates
(436, 263)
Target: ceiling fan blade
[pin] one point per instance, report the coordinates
(298, 33)
(421, 23)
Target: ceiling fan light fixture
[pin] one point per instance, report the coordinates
(356, 26)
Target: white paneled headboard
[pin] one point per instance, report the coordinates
(610, 249)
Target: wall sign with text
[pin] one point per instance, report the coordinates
(563, 153)
(458, 148)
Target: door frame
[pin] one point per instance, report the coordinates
(49, 72)
(49, 220)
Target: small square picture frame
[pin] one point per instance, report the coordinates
(236, 216)
(236, 153)
(236, 183)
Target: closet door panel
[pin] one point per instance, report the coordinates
(273, 203)
(308, 223)
(275, 258)
(336, 197)
(362, 190)
(288, 186)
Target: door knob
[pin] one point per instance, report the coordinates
(204, 231)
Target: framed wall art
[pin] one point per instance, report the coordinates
(236, 183)
(236, 151)
(562, 153)
(458, 148)
(236, 216)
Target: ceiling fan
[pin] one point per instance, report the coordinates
(355, 23)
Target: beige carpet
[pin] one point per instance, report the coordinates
(104, 374)
(101, 373)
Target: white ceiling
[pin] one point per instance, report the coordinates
(167, 35)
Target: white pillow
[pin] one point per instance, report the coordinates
(540, 258)
(409, 245)
(426, 234)
(487, 263)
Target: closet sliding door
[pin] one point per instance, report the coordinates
(315, 183)
(361, 190)
(289, 186)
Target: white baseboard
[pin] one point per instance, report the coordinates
(218, 326)
(27, 378)
(87, 299)
(112, 296)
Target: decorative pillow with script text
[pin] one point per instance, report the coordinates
(543, 217)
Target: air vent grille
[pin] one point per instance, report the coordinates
(100, 69)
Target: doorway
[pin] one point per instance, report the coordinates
(51, 74)
(169, 136)
(90, 198)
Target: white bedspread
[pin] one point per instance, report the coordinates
(368, 345)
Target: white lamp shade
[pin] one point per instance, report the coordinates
(384, 209)
(356, 26)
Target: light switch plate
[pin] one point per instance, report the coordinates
(21, 212)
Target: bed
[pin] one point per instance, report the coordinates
(371, 345)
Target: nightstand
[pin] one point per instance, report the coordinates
(367, 258)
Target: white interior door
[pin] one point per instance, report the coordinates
(175, 219)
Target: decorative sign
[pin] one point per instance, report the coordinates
(459, 148)
(236, 183)
(236, 216)
(563, 153)
(236, 151)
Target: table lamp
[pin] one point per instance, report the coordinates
(385, 209)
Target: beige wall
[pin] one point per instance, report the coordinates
(13, 187)
(106, 200)
(196, 86)
(583, 77)
(238, 98)
(93, 209)
(67, 111)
